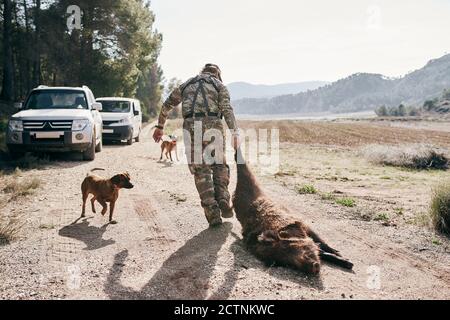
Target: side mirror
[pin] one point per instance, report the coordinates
(136, 113)
(97, 106)
(18, 105)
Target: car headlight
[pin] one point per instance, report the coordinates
(125, 121)
(79, 125)
(16, 125)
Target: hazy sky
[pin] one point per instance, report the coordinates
(270, 42)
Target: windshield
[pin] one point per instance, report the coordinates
(116, 106)
(57, 99)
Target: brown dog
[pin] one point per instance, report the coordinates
(168, 147)
(104, 190)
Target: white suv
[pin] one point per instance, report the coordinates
(122, 119)
(59, 119)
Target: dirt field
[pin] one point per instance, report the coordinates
(353, 133)
(162, 249)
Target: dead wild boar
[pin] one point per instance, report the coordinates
(271, 235)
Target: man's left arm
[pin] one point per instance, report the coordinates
(228, 113)
(226, 109)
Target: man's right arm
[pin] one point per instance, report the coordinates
(172, 101)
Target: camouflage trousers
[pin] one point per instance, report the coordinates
(211, 180)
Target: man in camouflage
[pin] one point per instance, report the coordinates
(205, 101)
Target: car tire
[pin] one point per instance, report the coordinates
(138, 138)
(99, 147)
(14, 155)
(130, 141)
(89, 154)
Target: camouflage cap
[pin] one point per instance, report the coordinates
(213, 69)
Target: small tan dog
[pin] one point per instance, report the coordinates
(168, 147)
(104, 190)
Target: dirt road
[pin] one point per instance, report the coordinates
(162, 249)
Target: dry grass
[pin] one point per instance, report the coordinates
(14, 187)
(348, 134)
(306, 189)
(10, 228)
(440, 208)
(21, 187)
(409, 156)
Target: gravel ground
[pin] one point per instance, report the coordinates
(162, 247)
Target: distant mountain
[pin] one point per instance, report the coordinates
(240, 90)
(359, 92)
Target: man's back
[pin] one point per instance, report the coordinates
(200, 96)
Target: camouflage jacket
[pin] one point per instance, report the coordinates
(192, 95)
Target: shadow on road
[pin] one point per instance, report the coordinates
(184, 275)
(111, 144)
(91, 236)
(244, 260)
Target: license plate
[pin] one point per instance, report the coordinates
(108, 131)
(48, 135)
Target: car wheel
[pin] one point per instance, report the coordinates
(130, 141)
(14, 155)
(89, 154)
(99, 147)
(138, 138)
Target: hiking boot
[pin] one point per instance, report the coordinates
(213, 217)
(227, 211)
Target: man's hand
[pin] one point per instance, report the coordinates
(158, 134)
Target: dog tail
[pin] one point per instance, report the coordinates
(96, 169)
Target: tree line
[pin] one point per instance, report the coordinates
(440, 105)
(110, 46)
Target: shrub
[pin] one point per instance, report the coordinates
(446, 94)
(412, 111)
(20, 188)
(381, 111)
(327, 196)
(410, 156)
(430, 105)
(440, 208)
(401, 110)
(306, 189)
(9, 228)
(346, 202)
(382, 217)
(145, 118)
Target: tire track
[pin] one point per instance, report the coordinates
(421, 264)
(160, 227)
